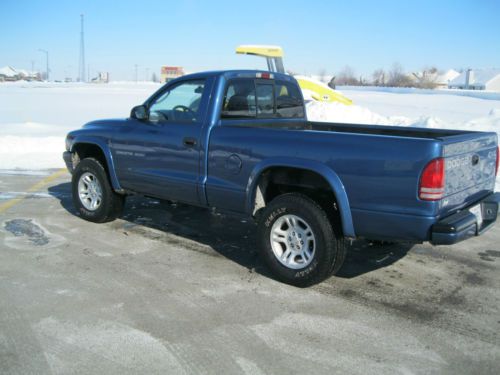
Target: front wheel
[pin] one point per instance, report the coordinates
(93, 195)
(297, 240)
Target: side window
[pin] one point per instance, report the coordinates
(288, 100)
(181, 103)
(239, 101)
(265, 100)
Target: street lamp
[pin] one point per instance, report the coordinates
(47, 56)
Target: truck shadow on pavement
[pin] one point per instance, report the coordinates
(204, 230)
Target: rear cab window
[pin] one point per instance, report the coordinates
(260, 98)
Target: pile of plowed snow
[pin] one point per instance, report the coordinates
(352, 114)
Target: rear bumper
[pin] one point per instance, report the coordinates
(68, 159)
(464, 224)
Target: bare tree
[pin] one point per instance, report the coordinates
(378, 77)
(397, 77)
(154, 77)
(346, 77)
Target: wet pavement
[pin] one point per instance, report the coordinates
(170, 288)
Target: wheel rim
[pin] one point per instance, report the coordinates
(89, 191)
(293, 241)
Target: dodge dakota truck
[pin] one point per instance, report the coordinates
(240, 141)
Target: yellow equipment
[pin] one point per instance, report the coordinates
(274, 57)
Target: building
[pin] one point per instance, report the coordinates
(444, 79)
(169, 73)
(477, 79)
(433, 78)
(8, 73)
(103, 77)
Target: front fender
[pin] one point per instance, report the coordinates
(328, 174)
(104, 146)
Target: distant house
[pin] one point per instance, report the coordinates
(477, 79)
(7, 73)
(444, 79)
(433, 78)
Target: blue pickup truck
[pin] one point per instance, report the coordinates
(240, 141)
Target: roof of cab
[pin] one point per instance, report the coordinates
(235, 74)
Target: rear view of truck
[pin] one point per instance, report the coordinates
(462, 182)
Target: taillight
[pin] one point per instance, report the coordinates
(265, 75)
(498, 160)
(431, 187)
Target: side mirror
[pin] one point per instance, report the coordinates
(139, 112)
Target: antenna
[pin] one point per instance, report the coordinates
(81, 64)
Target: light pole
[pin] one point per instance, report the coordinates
(47, 56)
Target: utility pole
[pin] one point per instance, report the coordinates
(136, 72)
(47, 57)
(81, 63)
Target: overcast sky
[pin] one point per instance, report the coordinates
(202, 35)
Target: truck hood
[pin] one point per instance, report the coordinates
(106, 123)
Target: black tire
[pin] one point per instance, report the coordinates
(111, 204)
(330, 246)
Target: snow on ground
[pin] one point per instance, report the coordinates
(35, 117)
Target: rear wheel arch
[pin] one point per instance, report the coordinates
(320, 184)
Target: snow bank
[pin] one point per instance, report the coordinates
(352, 114)
(31, 152)
(480, 94)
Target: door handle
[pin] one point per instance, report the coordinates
(189, 142)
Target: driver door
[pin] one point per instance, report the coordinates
(161, 156)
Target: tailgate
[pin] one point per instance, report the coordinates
(469, 170)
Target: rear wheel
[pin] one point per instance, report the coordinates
(297, 240)
(93, 196)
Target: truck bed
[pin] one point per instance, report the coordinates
(395, 131)
(383, 130)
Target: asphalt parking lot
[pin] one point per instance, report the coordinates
(170, 288)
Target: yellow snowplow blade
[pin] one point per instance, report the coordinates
(264, 51)
(274, 55)
(321, 92)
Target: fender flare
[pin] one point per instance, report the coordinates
(104, 146)
(328, 174)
